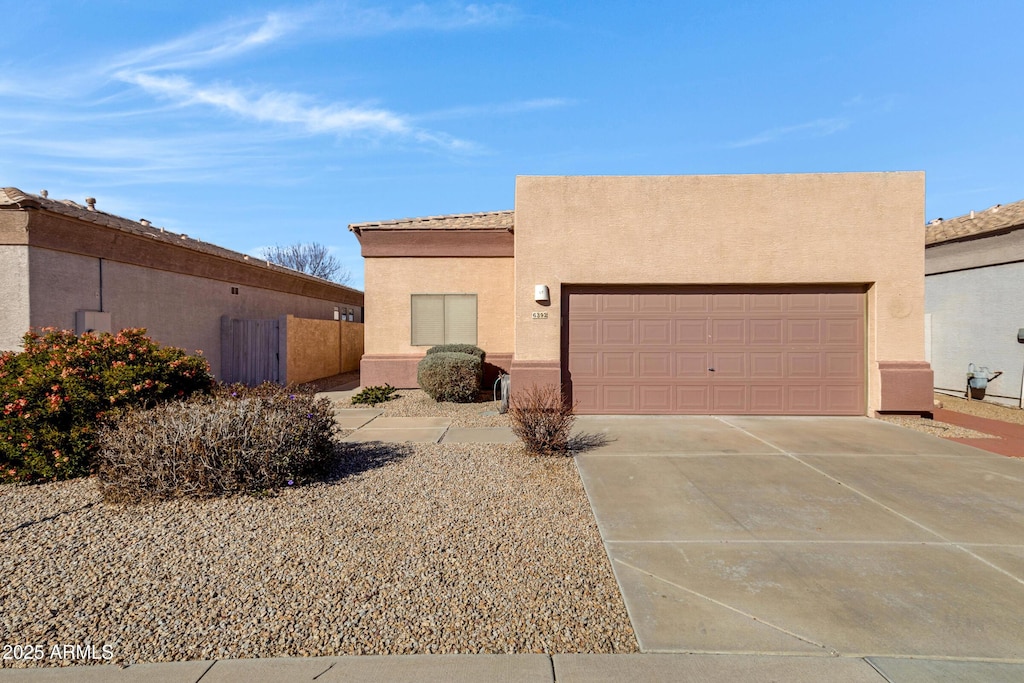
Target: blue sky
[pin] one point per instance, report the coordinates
(252, 123)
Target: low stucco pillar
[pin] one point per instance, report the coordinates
(906, 387)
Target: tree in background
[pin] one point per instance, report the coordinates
(313, 259)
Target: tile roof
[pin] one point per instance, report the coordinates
(11, 198)
(490, 220)
(997, 219)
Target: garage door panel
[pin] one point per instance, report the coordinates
(654, 303)
(584, 303)
(843, 331)
(654, 332)
(844, 400)
(619, 398)
(766, 365)
(693, 398)
(765, 332)
(618, 303)
(729, 303)
(690, 365)
(804, 399)
(729, 364)
(806, 303)
(691, 332)
(768, 399)
(616, 332)
(587, 397)
(728, 399)
(584, 332)
(655, 398)
(843, 302)
(691, 303)
(654, 365)
(584, 365)
(806, 331)
(803, 365)
(617, 364)
(766, 303)
(844, 365)
(793, 352)
(728, 331)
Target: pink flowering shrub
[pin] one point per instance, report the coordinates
(57, 392)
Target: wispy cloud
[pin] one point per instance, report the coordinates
(150, 70)
(816, 128)
(272, 106)
(210, 45)
(500, 109)
(133, 117)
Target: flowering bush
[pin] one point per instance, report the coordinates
(56, 392)
(238, 440)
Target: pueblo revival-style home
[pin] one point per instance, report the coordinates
(735, 294)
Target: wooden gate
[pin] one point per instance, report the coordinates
(250, 351)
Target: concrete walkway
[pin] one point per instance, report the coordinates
(1011, 436)
(368, 425)
(844, 537)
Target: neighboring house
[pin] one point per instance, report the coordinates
(74, 267)
(974, 267)
(755, 294)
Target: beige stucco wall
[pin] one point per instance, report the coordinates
(176, 309)
(856, 228)
(312, 349)
(14, 283)
(351, 350)
(391, 281)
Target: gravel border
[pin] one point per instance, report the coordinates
(410, 549)
(416, 403)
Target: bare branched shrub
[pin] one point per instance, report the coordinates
(541, 418)
(215, 445)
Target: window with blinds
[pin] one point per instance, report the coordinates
(443, 319)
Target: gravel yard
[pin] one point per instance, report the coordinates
(410, 549)
(416, 403)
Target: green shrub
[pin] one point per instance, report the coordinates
(374, 395)
(542, 419)
(447, 376)
(458, 348)
(235, 441)
(56, 393)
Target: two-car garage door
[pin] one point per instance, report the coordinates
(717, 351)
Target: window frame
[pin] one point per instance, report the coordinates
(444, 321)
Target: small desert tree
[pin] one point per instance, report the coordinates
(311, 258)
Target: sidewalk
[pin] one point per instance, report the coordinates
(538, 668)
(1011, 436)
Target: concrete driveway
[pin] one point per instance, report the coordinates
(810, 536)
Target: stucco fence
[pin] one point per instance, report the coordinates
(288, 350)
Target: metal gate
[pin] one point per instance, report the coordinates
(250, 351)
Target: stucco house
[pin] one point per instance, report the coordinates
(974, 267)
(734, 294)
(75, 267)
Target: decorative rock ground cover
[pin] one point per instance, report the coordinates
(410, 549)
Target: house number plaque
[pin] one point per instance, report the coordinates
(540, 315)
